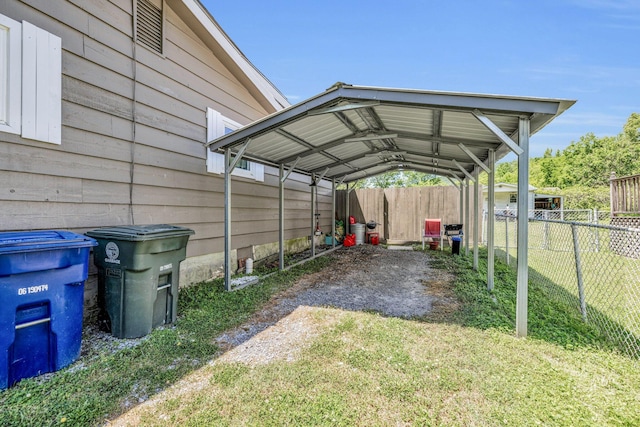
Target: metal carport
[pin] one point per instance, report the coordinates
(352, 132)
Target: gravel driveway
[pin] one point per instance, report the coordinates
(397, 283)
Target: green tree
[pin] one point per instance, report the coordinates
(507, 172)
(419, 179)
(386, 180)
(631, 129)
(591, 160)
(580, 197)
(549, 168)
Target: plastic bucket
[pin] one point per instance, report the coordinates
(359, 231)
(374, 240)
(349, 240)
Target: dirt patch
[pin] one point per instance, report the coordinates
(282, 341)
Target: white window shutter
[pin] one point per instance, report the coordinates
(218, 162)
(41, 84)
(258, 171)
(215, 162)
(215, 128)
(11, 74)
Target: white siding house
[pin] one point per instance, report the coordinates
(506, 197)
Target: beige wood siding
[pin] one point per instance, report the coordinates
(133, 135)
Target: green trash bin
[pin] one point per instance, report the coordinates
(138, 276)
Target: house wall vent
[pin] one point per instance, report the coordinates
(149, 24)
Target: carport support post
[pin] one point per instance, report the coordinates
(491, 218)
(466, 217)
(522, 291)
(476, 214)
(462, 185)
(347, 226)
(227, 219)
(333, 213)
(313, 215)
(281, 218)
(229, 166)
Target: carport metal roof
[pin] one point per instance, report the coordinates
(353, 132)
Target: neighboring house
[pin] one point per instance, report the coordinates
(105, 110)
(506, 197)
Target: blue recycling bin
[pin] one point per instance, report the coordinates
(42, 275)
(455, 245)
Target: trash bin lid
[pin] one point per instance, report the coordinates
(30, 241)
(140, 233)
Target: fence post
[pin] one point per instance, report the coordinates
(576, 251)
(545, 235)
(506, 237)
(596, 217)
(613, 195)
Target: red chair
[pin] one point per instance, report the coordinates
(433, 230)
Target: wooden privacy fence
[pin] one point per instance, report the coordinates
(625, 195)
(400, 212)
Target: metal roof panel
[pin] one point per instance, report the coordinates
(424, 124)
(406, 119)
(318, 129)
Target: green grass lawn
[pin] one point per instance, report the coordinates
(465, 368)
(368, 370)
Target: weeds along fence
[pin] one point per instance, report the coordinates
(589, 265)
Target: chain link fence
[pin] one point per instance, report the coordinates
(586, 263)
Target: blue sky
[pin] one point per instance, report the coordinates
(586, 50)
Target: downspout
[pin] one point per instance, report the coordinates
(134, 121)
